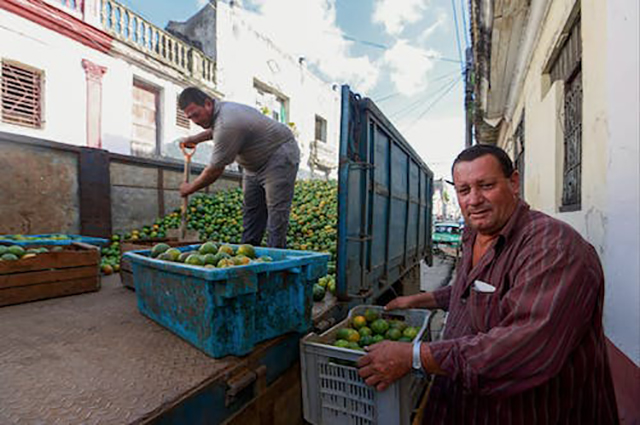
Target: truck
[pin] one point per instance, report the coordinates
(93, 358)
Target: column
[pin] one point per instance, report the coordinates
(94, 75)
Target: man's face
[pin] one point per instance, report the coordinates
(200, 115)
(487, 198)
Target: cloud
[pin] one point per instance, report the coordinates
(395, 15)
(308, 28)
(438, 140)
(408, 66)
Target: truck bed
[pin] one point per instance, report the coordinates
(94, 358)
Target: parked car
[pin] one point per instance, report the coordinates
(447, 233)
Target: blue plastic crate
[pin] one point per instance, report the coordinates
(227, 311)
(45, 239)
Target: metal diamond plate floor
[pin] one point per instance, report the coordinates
(93, 359)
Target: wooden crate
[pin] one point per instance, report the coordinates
(73, 270)
(126, 274)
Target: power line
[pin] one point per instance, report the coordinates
(464, 25)
(396, 93)
(455, 20)
(455, 83)
(413, 105)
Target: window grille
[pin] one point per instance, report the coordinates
(181, 117)
(21, 95)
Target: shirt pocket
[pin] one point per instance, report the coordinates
(482, 308)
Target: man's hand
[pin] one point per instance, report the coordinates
(400, 303)
(186, 142)
(386, 362)
(186, 189)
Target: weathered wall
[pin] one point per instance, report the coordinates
(40, 180)
(610, 203)
(38, 189)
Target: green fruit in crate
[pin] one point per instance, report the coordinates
(318, 292)
(226, 249)
(56, 249)
(172, 254)
(9, 257)
(377, 338)
(332, 287)
(183, 257)
(241, 260)
(3, 249)
(159, 249)
(410, 332)
(365, 331)
(393, 334)
(358, 322)
(354, 346)
(343, 333)
(265, 259)
(323, 282)
(366, 340)
(398, 324)
(208, 248)
(194, 260)
(210, 259)
(247, 250)
(225, 262)
(16, 250)
(379, 326)
(405, 339)
(371, 315)
(353, 336)
(342, 343)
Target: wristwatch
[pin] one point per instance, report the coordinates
(416, 362)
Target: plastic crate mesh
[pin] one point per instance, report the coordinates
(345, 398)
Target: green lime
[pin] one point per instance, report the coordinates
(379, 326)
(393, 334)
(341, 343)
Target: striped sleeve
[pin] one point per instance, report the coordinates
(548, 307)
(442, 296)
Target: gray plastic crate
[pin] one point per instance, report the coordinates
(333, 392)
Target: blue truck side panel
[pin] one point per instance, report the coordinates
(384, 202)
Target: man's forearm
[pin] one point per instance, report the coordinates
(424, 300)
(200, 137)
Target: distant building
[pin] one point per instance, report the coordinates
(94, 73)
(556, 85)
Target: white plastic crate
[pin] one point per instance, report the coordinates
(333, 392)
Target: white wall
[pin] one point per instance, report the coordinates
(65, 89)
(622, 242)
(245, 56)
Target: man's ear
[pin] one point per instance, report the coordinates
(514, 182)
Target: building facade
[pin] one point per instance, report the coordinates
(556, 85)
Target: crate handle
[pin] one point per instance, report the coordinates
(241, 381)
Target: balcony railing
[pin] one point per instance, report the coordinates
(139, 33)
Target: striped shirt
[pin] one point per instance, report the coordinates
(532, 351)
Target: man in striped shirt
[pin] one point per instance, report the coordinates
(524, 342)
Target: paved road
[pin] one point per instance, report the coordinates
(437, 275)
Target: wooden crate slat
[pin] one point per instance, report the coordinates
(43, 291)
(47, 276)
(51, 260)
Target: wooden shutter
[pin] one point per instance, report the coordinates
(21, 95)
(181, 117)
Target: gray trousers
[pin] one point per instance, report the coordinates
(268, 195)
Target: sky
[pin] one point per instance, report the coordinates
(403, 54)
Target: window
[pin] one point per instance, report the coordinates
(145, 137)
(21, 95)
(321, 129)
(519, 153)
(567, 67)
(271, 103)
(181, 117)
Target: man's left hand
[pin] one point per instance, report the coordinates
(386, 362)
(185, 189)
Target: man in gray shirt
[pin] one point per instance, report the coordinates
(266, 150)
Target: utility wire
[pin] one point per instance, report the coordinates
(455, 83)
(464, 25)
(455, 20)
(396, 93)
(422, 100)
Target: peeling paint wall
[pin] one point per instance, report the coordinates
(38, 190)
(609, 212)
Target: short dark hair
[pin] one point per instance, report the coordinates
(192, 95)
(476, 151)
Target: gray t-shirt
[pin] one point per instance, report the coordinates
(245, 135)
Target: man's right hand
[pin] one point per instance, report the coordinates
(400, 303)
(185, 142)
